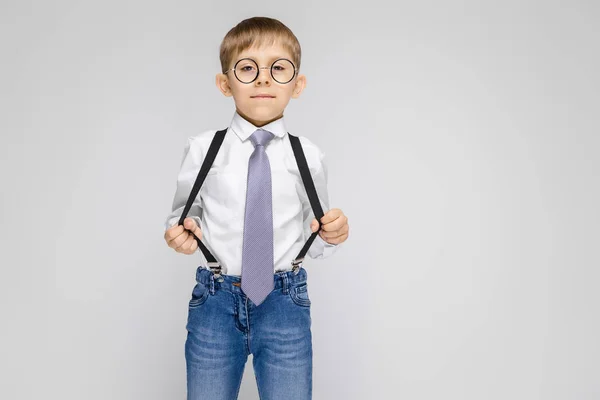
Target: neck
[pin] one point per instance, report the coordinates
(258, 123)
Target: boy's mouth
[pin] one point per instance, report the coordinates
(263, 96)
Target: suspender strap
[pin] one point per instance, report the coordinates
(312, 196)
(217, 140)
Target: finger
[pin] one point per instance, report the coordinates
(192, 225)
(314, 225)
(194, 246)
(189, 244)
(185, 246)
(197, 231)
(179, 240)
(173, 232)
(332, 234)
(337, 240)
(336, 224)
(331, 215)
(189, 223)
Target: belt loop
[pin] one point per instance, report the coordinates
(284, 285)
(212, 283)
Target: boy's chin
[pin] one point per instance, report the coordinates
(261, 114)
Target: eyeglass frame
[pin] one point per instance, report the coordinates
(259, 68)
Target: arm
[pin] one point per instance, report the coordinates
(190, 165)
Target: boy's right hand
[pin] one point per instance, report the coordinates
(180, 239)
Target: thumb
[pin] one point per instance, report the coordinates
(314, 225)
(191, 225)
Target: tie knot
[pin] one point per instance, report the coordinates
(261, 137)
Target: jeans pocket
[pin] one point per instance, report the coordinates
(299, 294)
(199, 295)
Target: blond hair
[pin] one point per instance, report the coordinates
(258, 31)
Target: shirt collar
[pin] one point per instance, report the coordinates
(244, 129)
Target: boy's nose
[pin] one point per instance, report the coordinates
(264, 75)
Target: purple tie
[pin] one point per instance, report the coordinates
(257, 252)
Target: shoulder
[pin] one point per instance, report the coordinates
(201, 141)
(203, 138)
(196, 146)
(314, 155)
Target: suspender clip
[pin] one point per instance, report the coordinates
(215, 267)
(296, 264)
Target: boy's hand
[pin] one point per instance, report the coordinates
(335, 227)
(181, 239)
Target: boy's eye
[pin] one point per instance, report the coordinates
(247, 68)
(279, 67)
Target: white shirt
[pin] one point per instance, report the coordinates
(220, 205)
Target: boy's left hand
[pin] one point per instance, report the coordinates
(335, 227)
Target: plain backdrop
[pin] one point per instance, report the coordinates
(462, 140)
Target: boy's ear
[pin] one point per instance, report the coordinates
(222, 82)
(299, 86)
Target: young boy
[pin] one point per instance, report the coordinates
(254, 212)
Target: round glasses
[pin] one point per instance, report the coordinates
(246, 70)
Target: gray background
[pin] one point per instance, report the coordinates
(462, 142)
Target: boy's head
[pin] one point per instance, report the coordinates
(260, 56)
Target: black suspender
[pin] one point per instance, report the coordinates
(312, 196)
(309, 185)
(206, 164)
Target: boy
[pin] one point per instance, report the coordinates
(254, 211)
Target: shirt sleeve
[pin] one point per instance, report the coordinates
(188, 172)
(319, 248)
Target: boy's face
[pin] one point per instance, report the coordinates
(259, 110)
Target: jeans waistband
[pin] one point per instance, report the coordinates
(233, 283)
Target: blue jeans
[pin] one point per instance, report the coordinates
(224, 327)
